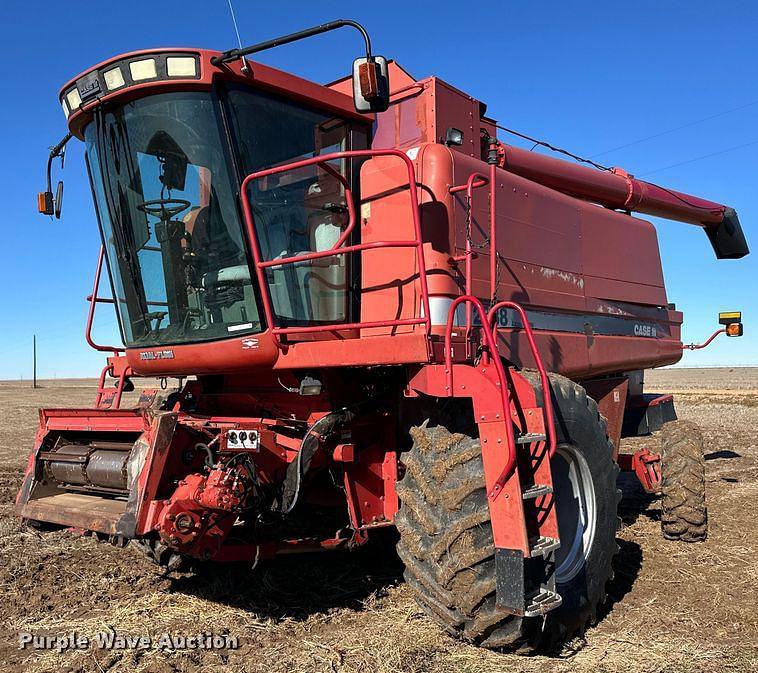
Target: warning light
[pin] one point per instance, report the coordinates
(732, 327)
(732, 321)
(45, 203)
(729, 317)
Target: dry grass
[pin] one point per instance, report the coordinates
(673, 607)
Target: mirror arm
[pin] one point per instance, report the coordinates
(47, 204)
(234, 54)
(56, 151)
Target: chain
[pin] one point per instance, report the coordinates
(473, 245)
(498, 259)
(480, 246)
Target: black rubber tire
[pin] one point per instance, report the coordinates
(445, 535)
(684, 515)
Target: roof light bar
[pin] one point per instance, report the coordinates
(129, 72)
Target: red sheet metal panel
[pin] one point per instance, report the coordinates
(389, 276)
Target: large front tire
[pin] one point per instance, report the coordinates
(446, 538)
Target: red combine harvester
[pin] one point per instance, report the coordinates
(388, 317)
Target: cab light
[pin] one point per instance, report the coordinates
(144, 69)
(181, 66)
(114, 78)
(310, 386)
(74, 99)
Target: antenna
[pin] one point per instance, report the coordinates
(244, 68)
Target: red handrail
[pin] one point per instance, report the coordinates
(337, 249)
(547, 403)
(349, 325)
(93, 300)
(475, 180)
(118, 389)
(350, 205)
(491, 343)
(332, 252)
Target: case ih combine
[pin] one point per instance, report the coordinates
(388, 318)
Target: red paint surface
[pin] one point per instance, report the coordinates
(538, 241)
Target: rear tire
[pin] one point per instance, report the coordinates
(684, 515)
(446, 538)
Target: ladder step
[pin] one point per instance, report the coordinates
(536, 491)
(530, 438)
(543, 546)
(545, 601)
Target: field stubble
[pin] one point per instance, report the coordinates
(673, 606)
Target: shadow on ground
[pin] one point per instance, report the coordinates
(724, 454)
(635, 501)
(300, 585)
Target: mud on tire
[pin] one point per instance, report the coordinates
(445, 534)
(684, 515)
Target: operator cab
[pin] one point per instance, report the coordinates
(167, 155)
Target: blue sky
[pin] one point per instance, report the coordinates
(590, 76)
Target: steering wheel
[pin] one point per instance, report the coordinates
(164, 209)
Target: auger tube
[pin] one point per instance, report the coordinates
(618, 190)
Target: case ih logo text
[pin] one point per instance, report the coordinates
(157, 355)
(644, 330)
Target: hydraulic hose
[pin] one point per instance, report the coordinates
(299, 467)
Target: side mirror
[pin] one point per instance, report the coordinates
(371, 84)
(58, 200)
(47, 204)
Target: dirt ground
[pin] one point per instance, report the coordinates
(673, 606)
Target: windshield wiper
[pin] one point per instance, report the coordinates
(123, 252)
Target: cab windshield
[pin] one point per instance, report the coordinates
(165, 197)
(166, 193)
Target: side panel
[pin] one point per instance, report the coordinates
(590, 278)
(389, 289)
(390, 285)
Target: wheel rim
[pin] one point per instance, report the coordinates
(576, 511)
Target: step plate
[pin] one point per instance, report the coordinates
(542, 603)
(536, 491)
(530, 438)
(543, 546)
